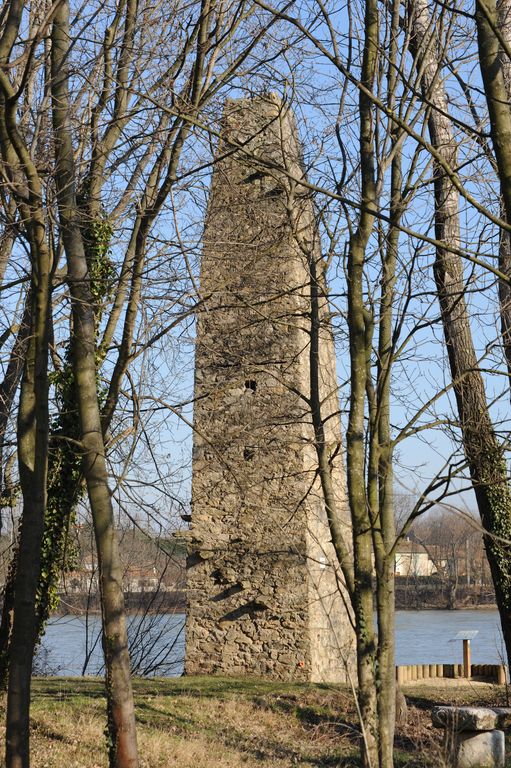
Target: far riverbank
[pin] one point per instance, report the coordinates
(410, 596)
(415, 594)
(135, 602)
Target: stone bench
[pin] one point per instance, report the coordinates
(473, 735)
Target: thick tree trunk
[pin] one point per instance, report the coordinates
(121, 716)
(484, 454)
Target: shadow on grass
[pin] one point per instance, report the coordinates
(49, 733)
(62, 688)
(324, 712)
(267, 750)
(214, 686)
(154, 717)
(311, 715)
(286, 701)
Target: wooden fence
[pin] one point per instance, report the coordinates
(495, 673)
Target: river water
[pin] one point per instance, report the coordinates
(72, 646)
(425, 637)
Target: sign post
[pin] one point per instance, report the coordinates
(466, 636)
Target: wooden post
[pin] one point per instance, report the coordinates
(466, 659)
(501, 675)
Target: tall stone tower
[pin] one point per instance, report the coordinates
(264, 594)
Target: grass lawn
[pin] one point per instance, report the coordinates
(194, 722)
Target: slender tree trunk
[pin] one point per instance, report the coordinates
(32, 458)
(7, 238)
(504, 22)
(491, 56)
(33, 405)
(323, 452)
(8, 390)
(357, 568)
(355, 443)
(27, 572)
(484, 454)
(496, 71)
(121, 716)
(12, 378)
(384, 542)
(505, 293)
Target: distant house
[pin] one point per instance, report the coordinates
(148, 565)
(141, 579)
(80, 581)
(135, 579)
(413, 559)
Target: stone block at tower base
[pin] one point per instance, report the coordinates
(480, 750)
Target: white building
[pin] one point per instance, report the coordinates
(413, 559)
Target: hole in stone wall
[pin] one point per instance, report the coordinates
(248, 453)
(251, 385)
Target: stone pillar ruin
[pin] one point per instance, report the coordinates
(264, 594)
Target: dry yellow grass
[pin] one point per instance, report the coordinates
(220, 723)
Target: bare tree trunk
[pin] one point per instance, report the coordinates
(381, 454)
(355, 444)
(504, 25)
(33, 407)
(484, 454)
(8, 390)
(32, 453)
(12, 378)
(323, 452)
(33, 427)
(490, 22)
(384, 543)
(505, 293)
(121, 716)
(7, 237)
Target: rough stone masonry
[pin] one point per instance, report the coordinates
(264, 594)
